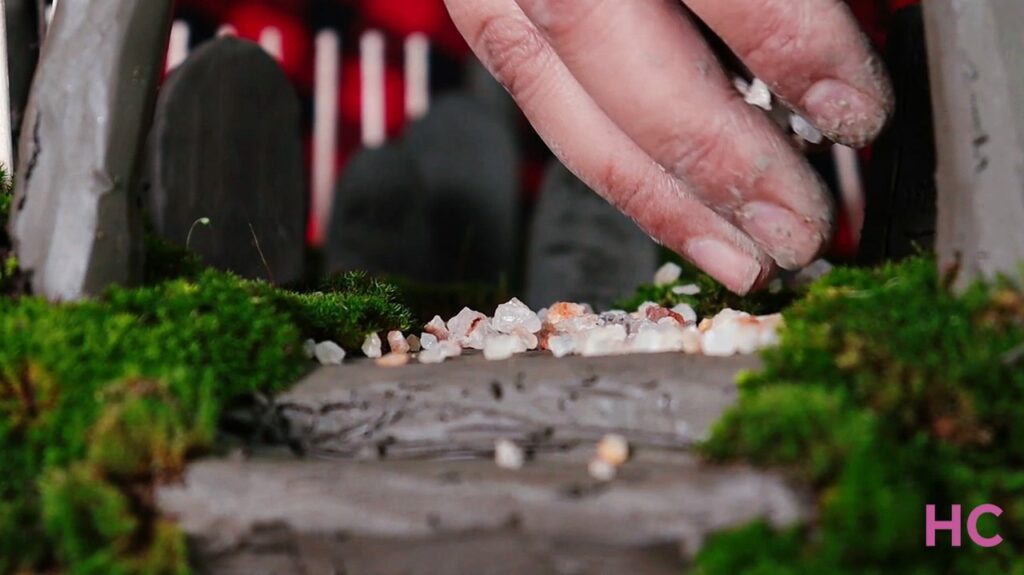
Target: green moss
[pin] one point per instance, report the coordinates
(712, 298)
(100, 400)
(348, 307)
(887, 392)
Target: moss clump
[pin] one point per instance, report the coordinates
(887, 392)
(712, 298)
(348, 307)
(101, 400)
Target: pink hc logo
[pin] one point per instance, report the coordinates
(932, 525)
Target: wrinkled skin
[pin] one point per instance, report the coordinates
(631, 98)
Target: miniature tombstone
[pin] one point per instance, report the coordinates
(378, 222)
(468, 159)
(978, 96)
(447, 195)
(75, 227)
(901, 196)
(583, 249)
(226, 145)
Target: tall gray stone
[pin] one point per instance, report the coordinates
(227, 145)
(441, 204)
(978, 95)
(583, 249)
(75, 225)
(379, 221)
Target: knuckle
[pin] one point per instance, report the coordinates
(776, 36)
(514, 52)
(697, 153)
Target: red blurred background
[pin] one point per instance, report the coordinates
(299, 20)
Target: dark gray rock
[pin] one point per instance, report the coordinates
(227, 145)
(379, 221)
(582, 249)
(978, 94)
(75, 228)
(447, 194)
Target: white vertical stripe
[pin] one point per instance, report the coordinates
(325, 125)
(227, 30)
(371, 53)
(272, 41)
(6, 133)
(417, 76)
(851, 187)
(177, 51)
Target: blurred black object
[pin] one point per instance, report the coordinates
(900, 218)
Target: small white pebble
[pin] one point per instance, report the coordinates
(437, 328)
(668, 274)
(502, 346)
(508, 455)
(428, 341)
(803, 128)
(393, 360)
(561, 345)
(309, 348)
(687, 312)
(688, 289)
(329, 353)
(759, 95)
(601, 470)
(371, 346)
(397, 342)
(613, 449)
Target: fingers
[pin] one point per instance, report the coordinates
(813, 56)
(647, 67)
(594, 148)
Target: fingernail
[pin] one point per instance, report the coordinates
(791, 240)
(736, 270)
(844, 113)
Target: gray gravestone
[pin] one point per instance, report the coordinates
(467, 156)
(440, 205)
(978, 95)
(75, 228)
(227, 145)
(378, 222)
(582, 248)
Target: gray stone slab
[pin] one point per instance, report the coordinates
(583, 249)
(412, 516)
(461, 407)
(227, 145)
(978, 96)
(75, 227)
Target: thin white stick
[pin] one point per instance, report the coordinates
(272, 41)
(371, 53)
(851, 187)
(417, 76)
(49, 12)
(325, 126)
(227, 30)
(177, 51)
(6, 134)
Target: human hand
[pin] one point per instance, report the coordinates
(628, 94)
